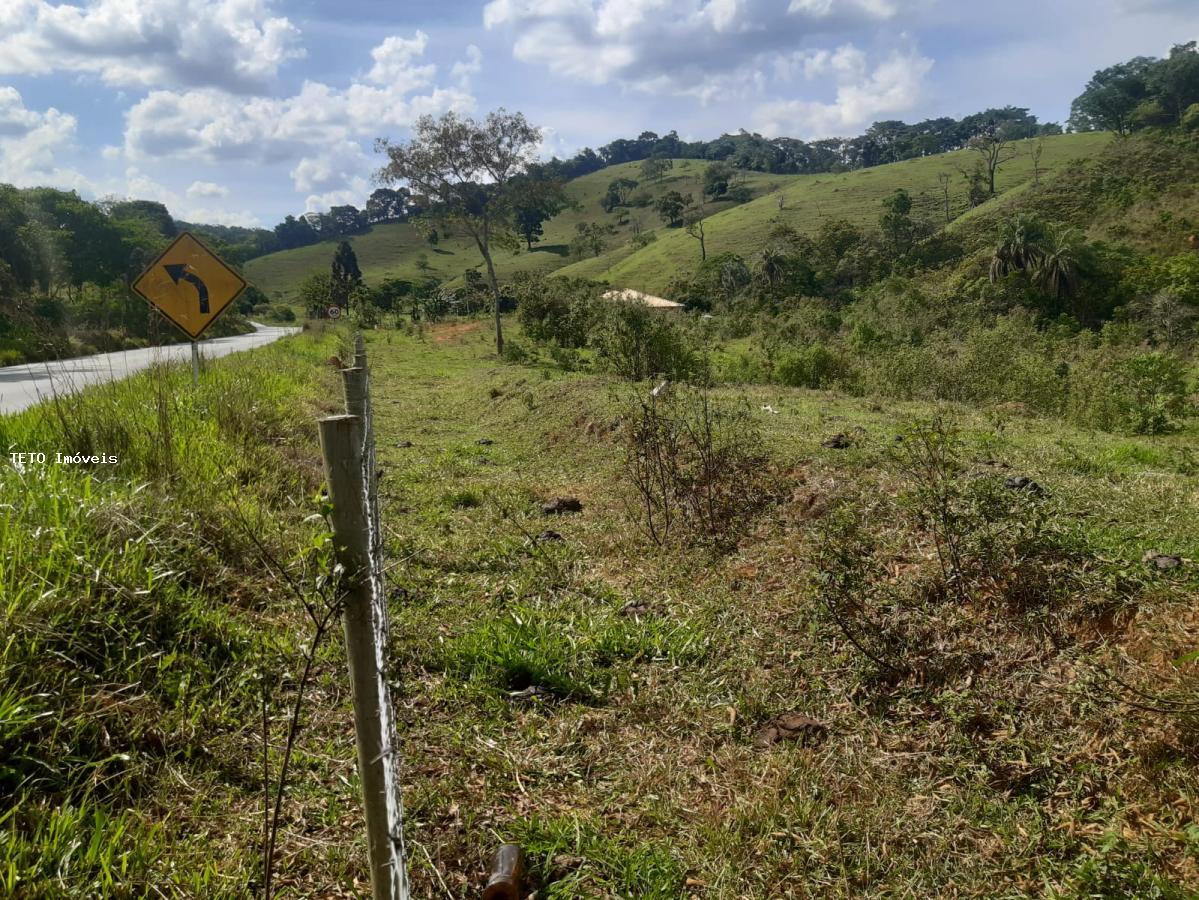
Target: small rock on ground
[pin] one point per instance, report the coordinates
(1023, 483)
(790, 726)
(403, 445)
(560, 505)
(638, 608)
(549, 535)
(530, 692)
(484, 442)
(1162, 561)
(838, 441)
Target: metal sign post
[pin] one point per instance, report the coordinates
(195, 364)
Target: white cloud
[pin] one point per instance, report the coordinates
(709, 49)
(208, 216)
(140, 186)
(469, 67)
(553, 144)
(318, 129)
(336, 175)
(395, 63)
(213, 125)
(30, 142)
(892, 87)
(15, 119)
(207, 189)
(234, 44)
(318, 203)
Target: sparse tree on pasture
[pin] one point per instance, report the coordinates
(467, 170)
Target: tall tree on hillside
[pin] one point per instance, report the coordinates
(943, 178)
(655, 167)
(387, 205)
(1038, 151)
(343, 220)
(772, 267)
(618, 193)
(345, 273)
(590, 237)
(536, 201)
(152, 212)
(293, 232)
(693, 220)
(994, 149)
(896, 222)
(1021, 246)
(670, 207)
(86, 242)
(717, 178)
(1063, 262)
(467, 169)
(1174, 81)
(1109, 98)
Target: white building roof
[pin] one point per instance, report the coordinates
(628, 295)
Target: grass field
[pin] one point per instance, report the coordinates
(599, 699)
(633, 770)
(391, 251)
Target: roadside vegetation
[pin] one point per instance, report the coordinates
(147, 624)
(66, 266)
(872, 571)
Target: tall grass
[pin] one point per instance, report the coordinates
(133, 616)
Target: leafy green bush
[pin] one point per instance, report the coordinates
(816, 366)
(1143, 392)
(555, 310)
(1010, 361)
(742, 368)
(636, 343)
(1177, 275)
(515, 352)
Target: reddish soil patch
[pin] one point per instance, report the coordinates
(445, 334)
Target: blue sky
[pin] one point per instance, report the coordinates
(242, 111)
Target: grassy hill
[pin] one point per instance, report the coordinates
(809, 200)
(395, 250)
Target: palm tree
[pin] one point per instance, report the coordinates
(772, 266)
(1021, 246)
(734, 275)
(1061, 263)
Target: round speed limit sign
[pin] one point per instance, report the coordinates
(334, 312)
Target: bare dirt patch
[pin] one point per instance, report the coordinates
(454, 332)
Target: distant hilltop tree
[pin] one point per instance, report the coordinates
(1140, 93)
(346, 275)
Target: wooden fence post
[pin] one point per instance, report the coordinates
(356, 385)
(359, 350)
(354, 529)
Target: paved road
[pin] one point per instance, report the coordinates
(23, 386)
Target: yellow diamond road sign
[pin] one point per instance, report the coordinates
(189, 284)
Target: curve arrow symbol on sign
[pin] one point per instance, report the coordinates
(183, 271)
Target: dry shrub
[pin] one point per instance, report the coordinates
(978, 574)
(696, 467)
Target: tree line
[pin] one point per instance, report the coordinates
(1142, 92)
